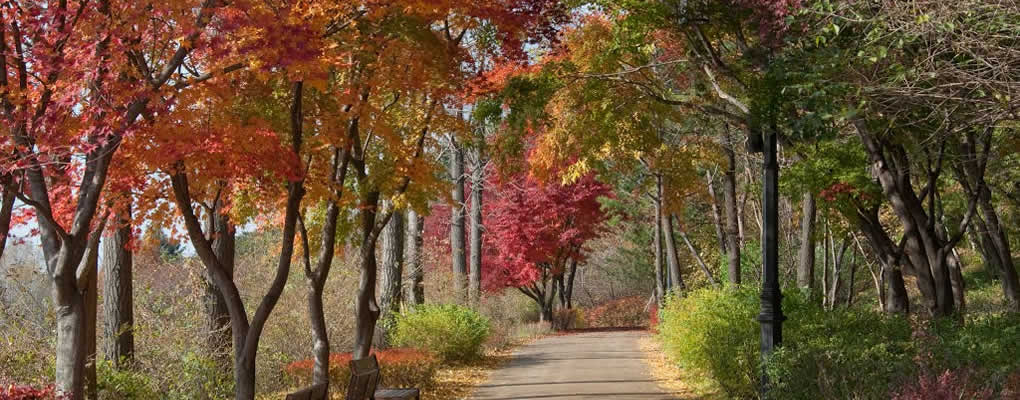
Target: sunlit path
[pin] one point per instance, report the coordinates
(604, 365)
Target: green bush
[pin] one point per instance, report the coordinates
(841, 354)
(122, 384)
(200, 376)
(713, 332)
(986, 342)
(452, 332)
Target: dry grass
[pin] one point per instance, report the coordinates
(674, 380)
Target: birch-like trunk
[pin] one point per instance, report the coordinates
(413, 259)
(806, 265)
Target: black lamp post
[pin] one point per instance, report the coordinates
(771, 316)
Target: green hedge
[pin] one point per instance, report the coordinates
(841, 354)
(452, 332)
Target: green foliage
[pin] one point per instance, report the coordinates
(714, 332)
(985, 341)
(124, 384)
(841, 354)
(452, 332)
(200, 376)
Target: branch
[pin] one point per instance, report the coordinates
(203, 19)
(207, 76)
(44, 212)
(304, 244)
(722, 94)
(87, 264)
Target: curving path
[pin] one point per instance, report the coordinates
(590, 365)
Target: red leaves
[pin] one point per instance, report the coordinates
(532, 226)
(22, 392)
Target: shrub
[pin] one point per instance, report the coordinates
(840, 354)
(986, 342)
(950, 385)
(24, 392)
(452, 332)
(398, 367)
(620, 313)
(713, 332)
(122, 384)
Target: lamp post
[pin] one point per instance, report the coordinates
(771, 317)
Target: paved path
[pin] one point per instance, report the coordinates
(591, 365)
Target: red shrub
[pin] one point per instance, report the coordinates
(653, 318)
(398, 367)
(619, 313)
(23, 392)
(951, 385)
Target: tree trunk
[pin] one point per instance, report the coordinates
(806, 266)
(661, 277)
(1000, 242)
(392, 263)
(717, 219)
(222, 235)
(413, 259)
(850, 282)
(6, 210)
(367, 308)
(568, 290)
(734, 227)
(561, 284)
(826, 257)
(118, 303)
(697, 256)
(672, 255)
(457, 246)
(91, 264)
(246, 334)
(316, 280)
(548, 300)
(987, 248)
(837, 258)
(477, 188)
(926, 250)
(956, 280)
(889, 257)
(70, 347)
(896, 301)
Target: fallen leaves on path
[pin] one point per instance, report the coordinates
(670, 377)
(459, 381)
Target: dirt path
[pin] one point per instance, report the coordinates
(592, 365)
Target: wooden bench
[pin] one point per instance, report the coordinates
(365, 379)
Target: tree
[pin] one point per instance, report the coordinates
(76, 84)
(537, 230)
